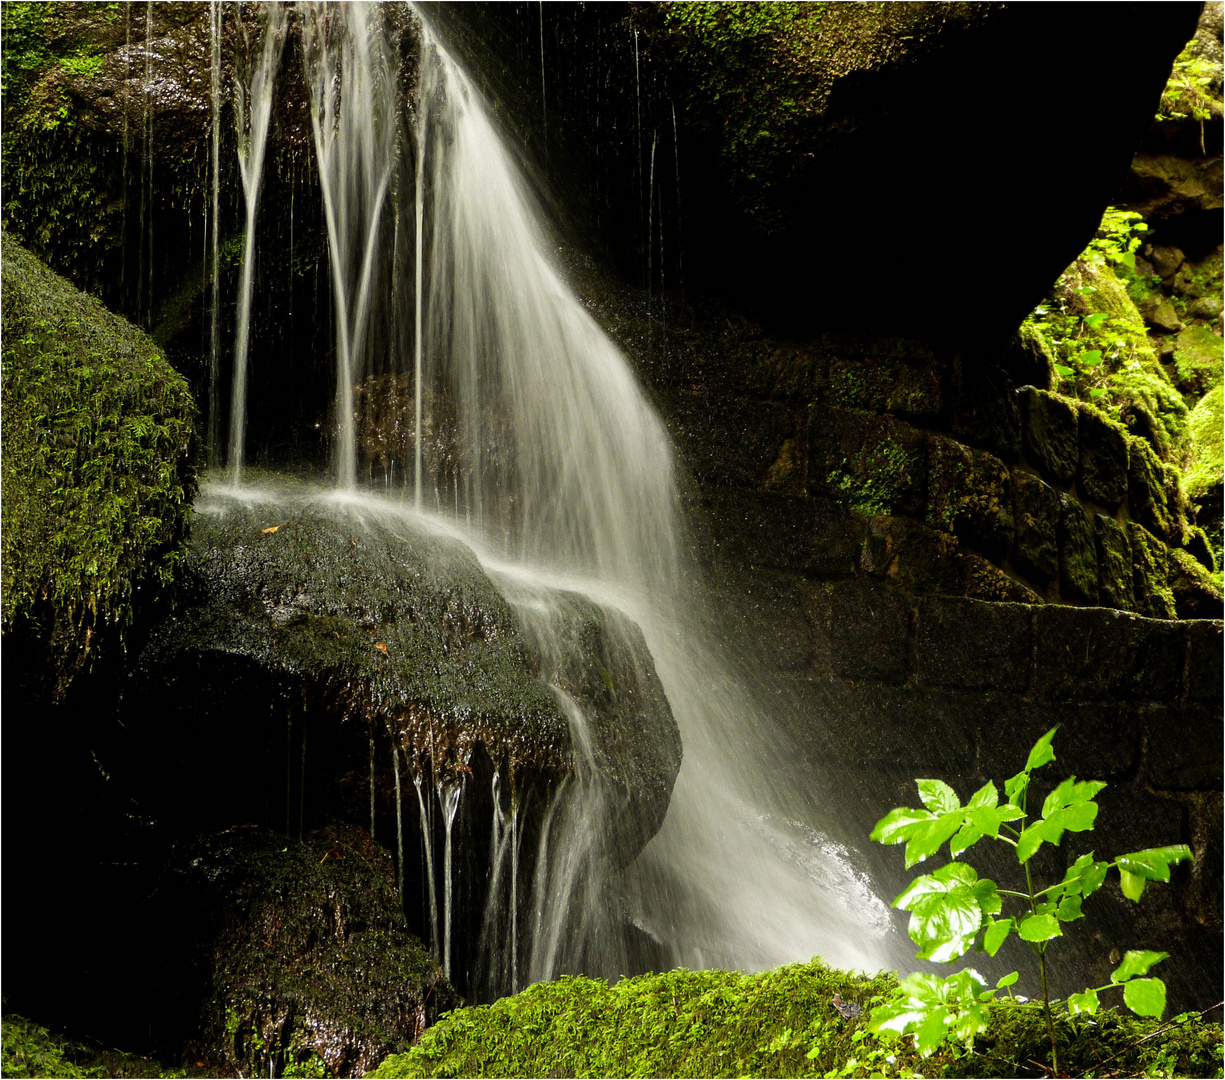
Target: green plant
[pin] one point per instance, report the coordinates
(1189, 92)
(952, 910)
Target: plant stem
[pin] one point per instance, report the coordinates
(1046, 997)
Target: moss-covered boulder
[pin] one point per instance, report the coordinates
(99, 456)
(1102, 473)
(277, 956)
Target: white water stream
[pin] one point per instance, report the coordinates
(533, 442)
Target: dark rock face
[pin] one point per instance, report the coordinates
(770, 102)
(272, 954)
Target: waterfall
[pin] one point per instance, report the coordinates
(351, 70)
(532, 441)
(252, 116)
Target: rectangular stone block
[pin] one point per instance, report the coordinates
(973, 644)
(1096, 654)
(969, 494)
(1050, 436)
(1102, 472)
(873, 464)
(1036, 514)
(862, 630)
(1185, 748)
(1077, 553)
(1114, 564)
(1205, 663)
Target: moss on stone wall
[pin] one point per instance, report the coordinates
(99, 451)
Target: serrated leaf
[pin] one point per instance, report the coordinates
(1137, 962)
(1049, 830)
(937, 796)
(931, 1032)
(997, 933)
(969, 835)
(946, 911)
(1131, 884)
(1083, 1003)
(987, 796)
(1039, 928)
(1042, 753)
(1069, 909)
(1145, 997)
(1006, 980)
(928, 837)
(899, 824)
(1154, 863)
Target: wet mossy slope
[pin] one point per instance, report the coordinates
(99, 451)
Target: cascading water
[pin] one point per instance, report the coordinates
(531, 440)
(252, 115)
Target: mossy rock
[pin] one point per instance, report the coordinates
(873, 464)
(1199, 356)
(1114, 563)
(1205, 434)
(1077, 553)
(1196, 591)
(1103, 469)
(1150, 582)
(1049, 433)
(99, 460)
(280, 954)
(1146, 496)
(1036, 513)
(970, 495)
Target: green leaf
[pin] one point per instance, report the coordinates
(931, 1032)
(1016, 786)
(1131, 884)
(1154, 863)
(937, 796)
(1096, 319)
(1006, 980)
(1066, 372)
(1090, 358)
(996, 934)
(1083, 1003)
(928, 837)
(1049, 830)
(946, 910)
(1137, 962)
(1095, 394)
(1039, 928)
(1071, 794)
(1145, 997)
(899, 825)
(1042, 753)
(1069, 909)
(986, 795)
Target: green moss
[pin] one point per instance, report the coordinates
(1204, 435)
(877, 480)
(99, 450)
(776, 1023)
(1199, 355)
(28, 1049)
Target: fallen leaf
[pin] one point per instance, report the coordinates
(271, 529)
(381, 647)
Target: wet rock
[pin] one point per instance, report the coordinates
(1206, 307)
(1049, 433)
(353, 624)
(1166, 260)
(1102, 472)
(971, 644)
(1036, 513)
(1077, 553)
(1029, 362)
(1150, 586)
(279, 956)
(1198, 548)
(970, 495)
(909, 387)
(1114, 563)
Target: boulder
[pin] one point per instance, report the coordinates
(1049, 433)
(277, 956)
(1077, 553)
(356, 624)
(1102, 473)
(1036, 512)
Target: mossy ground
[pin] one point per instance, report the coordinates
(776, 1023)
(28, 1049)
